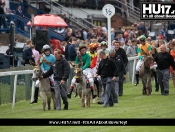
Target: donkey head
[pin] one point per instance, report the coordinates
(77, 71)
(37, 72)
(148, 61)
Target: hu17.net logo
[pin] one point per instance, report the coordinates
(157, 11)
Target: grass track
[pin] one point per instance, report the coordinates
(132, 105)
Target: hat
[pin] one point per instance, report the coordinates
(142, 38)
(82, 45)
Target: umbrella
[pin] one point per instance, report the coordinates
(48, 20)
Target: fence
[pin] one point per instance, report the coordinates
(12, 89)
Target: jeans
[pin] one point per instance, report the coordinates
(60, 92)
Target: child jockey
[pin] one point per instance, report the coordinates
(86, 69)
(46, 60)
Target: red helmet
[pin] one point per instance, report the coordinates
(93, 46)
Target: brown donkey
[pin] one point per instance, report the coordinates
(82, 91)
(146, 74)
(45, 91)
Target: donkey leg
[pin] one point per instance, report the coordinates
(48, 102)
(88, 98)
(49, 96)
(43, 96)
(82, 99)
(143, 90)
(148, 85)
(54, 100)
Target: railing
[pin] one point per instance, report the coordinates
(27, 72)
(20, 24)
(132, 15)
(21, 28)
(25, 8)
(132, 12)
(25, 30)
(59, 9)
(16, 73)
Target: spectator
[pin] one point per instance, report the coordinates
(35, 53)
(72, 53)
(123, 45)
(112, 34)
(66, 19)
(62, 30)
(63, 44)
(126, 34)
(119, 31)
(8, 52)
(104, 29)
(131, 50)
(142, 28)
(20, 13)
(121, 52)
(69, 34)
(84, 34)
(154, 53)
(2, 18)
(28, 56)
(164, 60)
(66, 53)
(121, 69)
(120, 38)
(90, 34)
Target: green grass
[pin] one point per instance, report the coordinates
(131, 105)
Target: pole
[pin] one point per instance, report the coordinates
(14, 91)
(12, 38)
(109, 33)
(108, 11)
(33, 91)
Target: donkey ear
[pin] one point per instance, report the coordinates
(73, 64)
(80, 64)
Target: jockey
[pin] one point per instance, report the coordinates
(144, 49)
(104, 46)
(93, 47)
(86, 70)
(46, 60)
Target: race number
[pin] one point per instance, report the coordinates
(108, 10)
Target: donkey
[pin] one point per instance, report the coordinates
(146, 74)
(46, 92)
(82, 91)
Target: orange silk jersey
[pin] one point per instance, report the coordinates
(93, 59)
(172, 52)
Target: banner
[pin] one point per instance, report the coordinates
(87, 122)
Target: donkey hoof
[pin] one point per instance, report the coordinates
(83, 106)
